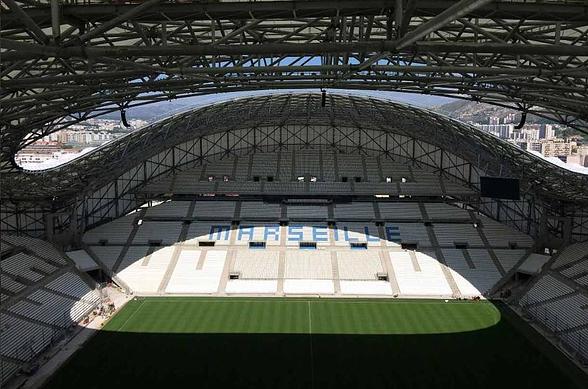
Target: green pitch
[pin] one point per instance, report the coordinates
(315, 343)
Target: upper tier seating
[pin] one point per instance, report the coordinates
(115, 232)
(188, 182)
(400, 211)
(307, 212)
(219, 168)
(239, 187)
(449, 234)
(508, 258)
(259, 210)
(220, 232)
(350, 165)
(285, 167)
(307, 164)
(440, 211)
(107, 255)
(499, 235)
(372, 169)
(395, 170)
(169, 209)
(275, 172)
(264, 165)
(258, 232)
(214, 210)
(358, 210)
(342, 188)
(408, 233)
(166, 232)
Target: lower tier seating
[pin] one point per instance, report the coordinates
(42, 296)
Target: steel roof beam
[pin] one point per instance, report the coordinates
(129, 14)
(31, 51)
(34, 29)
(53, 81)
(285, 9)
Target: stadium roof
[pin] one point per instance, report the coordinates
(63, 63)
(492, 155)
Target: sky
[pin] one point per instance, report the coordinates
(166, 108)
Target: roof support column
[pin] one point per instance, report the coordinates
(55, 23)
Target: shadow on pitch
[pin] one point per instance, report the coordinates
(494, 357)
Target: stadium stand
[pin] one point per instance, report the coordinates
(407, 233)
(557, 299)
(219, 210)
(345, 251)
(251, 287)
(359, 210)
(269, 233)
(143, 270)
(169, 209)
(508, 258)
(257, 265)
(114, 232)
(400, 211)
(499, 235)
(107, 255)
(450, 234)
(366, 288)
(252, 210)
(358, 266)
(43, 296)
(307, 212)
(445, 212)
(473, 276)
(197, 272)
(308, 286)
(164, 232)
(419, 274)
(303, 172)
(308, 265)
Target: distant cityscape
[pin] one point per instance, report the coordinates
(550, 140)
(538, 138)
(78, 139)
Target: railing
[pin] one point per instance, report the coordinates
(576, 344)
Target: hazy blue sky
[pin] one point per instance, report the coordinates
(166, 108)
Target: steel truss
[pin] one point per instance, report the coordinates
(65, 62)
(101, 185)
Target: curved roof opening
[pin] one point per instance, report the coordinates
(363, 112)
(73, 142)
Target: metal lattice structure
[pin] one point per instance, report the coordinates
(66, 61)
(101, 185)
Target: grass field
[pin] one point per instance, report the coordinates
(316, 343)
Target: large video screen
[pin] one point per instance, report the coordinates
(500, 188)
